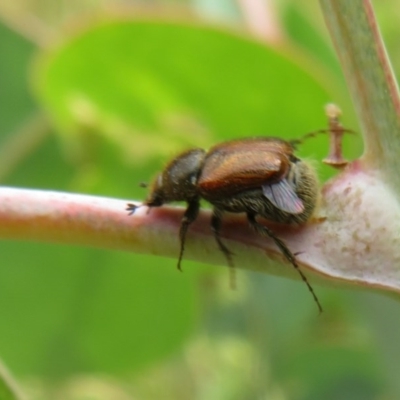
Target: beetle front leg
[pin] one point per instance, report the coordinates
(191, 213)
(216, 222)
(264, 231)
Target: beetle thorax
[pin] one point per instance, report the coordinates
(178, 181)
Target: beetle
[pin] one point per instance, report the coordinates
(258, 176)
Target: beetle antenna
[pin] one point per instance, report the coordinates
(336, 131)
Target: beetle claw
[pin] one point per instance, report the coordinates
(132, 208)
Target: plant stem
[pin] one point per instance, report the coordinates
(261, 19)
(371, 82)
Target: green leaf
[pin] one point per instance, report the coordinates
(66, 310)
(152, 87)
(300, 25)
(8, 387)
(15, 99)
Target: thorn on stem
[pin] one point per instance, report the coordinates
(336, 131)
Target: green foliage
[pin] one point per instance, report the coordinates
(123, 96)
(15, 99)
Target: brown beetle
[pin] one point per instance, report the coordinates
(257, 176)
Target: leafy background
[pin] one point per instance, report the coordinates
(95, 97)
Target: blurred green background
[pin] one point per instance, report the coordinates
(95, 96)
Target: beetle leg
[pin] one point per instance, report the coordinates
(216, 221)
(264, 231)
(191, 213)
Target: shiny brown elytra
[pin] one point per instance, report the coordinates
(258, 176)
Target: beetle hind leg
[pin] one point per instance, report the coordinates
(191, 213)
(216, 222)
(264, 231)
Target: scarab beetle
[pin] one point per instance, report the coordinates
(257, 176)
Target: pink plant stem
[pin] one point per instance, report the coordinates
(261, 19)
(98, 221)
